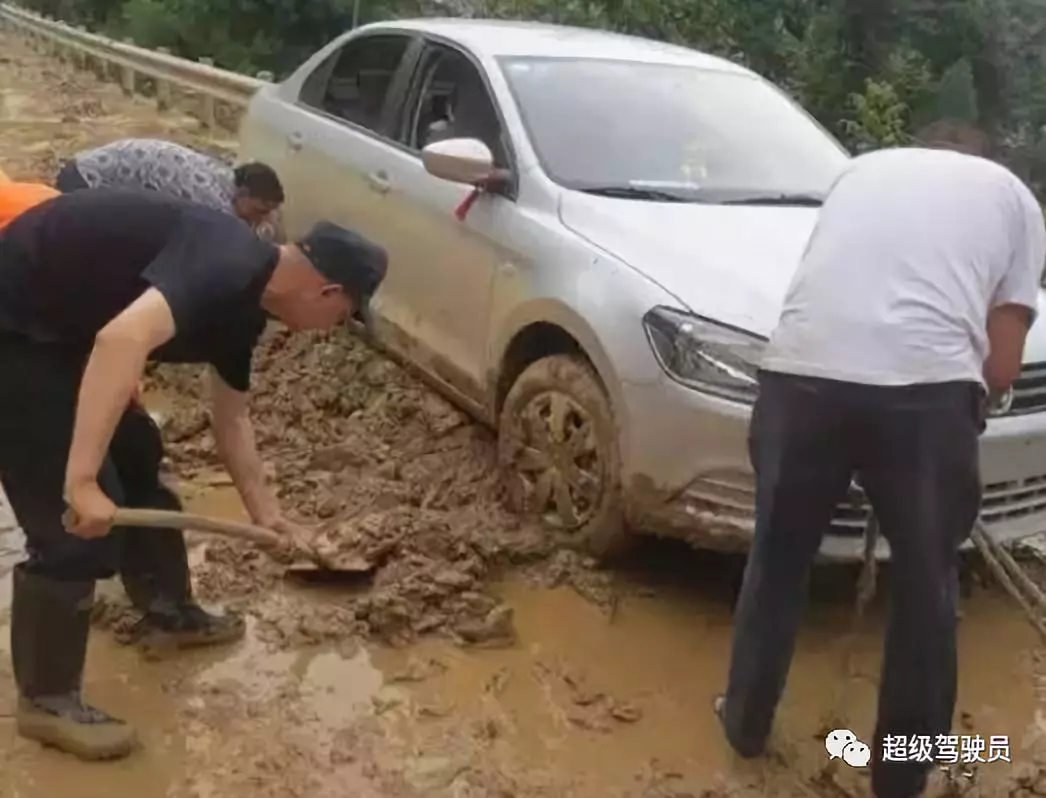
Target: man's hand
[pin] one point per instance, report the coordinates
(90, 510)
(295, 537)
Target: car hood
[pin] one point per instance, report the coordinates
(730, 263)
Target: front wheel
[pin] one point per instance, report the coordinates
(558, 454)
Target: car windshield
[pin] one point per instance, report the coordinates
(671, 133)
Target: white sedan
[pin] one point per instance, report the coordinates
(604, 300)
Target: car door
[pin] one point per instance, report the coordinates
(339, 145)
(442, 268)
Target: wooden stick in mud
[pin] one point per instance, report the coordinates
(987, 547)
(1020, 576)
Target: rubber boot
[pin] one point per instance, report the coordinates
(50, 621)
(157, 581)
(154, 562)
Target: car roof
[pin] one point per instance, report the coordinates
(493, 38)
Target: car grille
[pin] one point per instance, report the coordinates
(733, 493)
(1002, 501)
(1029, 391)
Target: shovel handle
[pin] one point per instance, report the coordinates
(169, 519)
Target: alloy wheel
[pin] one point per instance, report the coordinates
(559, 461)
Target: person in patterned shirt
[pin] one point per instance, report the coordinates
(251, 191)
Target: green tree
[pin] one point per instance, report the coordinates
(872, 71)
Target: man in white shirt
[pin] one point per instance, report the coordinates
(915, 293)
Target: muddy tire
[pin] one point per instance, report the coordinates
(558, 455)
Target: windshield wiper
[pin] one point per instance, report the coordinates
(801, 200)
(637, 193)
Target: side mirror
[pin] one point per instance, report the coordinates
(466, 161)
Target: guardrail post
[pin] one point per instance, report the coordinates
(208, 115)
(163, 88)
(79, 59)
(127, 77)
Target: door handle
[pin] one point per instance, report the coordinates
(295, 141)
(379, 181)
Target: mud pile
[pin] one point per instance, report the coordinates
(383, 468)
(360, 450)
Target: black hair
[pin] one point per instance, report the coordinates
(260, 181)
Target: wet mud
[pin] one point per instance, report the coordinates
(475, 660)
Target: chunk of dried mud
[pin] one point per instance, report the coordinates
(418, 670)
(384, 469)
(496, 630)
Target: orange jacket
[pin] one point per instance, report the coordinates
(18, 197)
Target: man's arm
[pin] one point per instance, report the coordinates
(1008, 327)
(110, 380)
(1015, 303)
(234, 438)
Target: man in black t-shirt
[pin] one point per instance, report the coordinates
(92, 285)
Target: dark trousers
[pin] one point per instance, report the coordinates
(914, 450)
(38, 395)
(69, 178)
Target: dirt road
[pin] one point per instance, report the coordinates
(477, 662)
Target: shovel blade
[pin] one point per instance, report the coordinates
(349, 564)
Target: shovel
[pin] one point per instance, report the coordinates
(168, 519)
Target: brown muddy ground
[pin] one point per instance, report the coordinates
(475, 663)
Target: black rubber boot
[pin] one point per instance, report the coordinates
(154, 562)
(50, 621)
(159, 586)
(157, 581)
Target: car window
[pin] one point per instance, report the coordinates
(451, 101)
(701, 135)
(353, 82)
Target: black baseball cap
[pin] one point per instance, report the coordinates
(348, 259)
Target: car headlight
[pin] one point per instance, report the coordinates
(705, 355)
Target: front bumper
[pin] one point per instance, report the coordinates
(687, 475)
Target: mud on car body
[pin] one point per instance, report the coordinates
(604, 300)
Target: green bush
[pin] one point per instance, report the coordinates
(879, 118)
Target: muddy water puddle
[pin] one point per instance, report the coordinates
(584, 705)
(587, 703)
(209, 723)
(595, 705)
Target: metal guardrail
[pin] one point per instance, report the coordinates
(203, 79)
